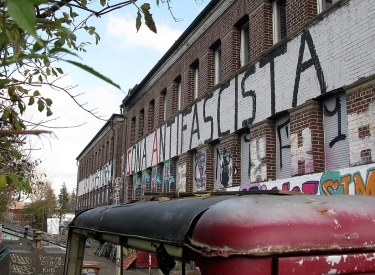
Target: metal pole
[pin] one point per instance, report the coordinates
(38, 241)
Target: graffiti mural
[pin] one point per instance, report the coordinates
(168, 179)
(145, 179)
(302, 161)
(351, 181)
(362, 136)
(182, 172)
(200, 170)
(258, 169)
(226, 168)
(134, 189)
(117, 189)
(101, 177)
(155, 179)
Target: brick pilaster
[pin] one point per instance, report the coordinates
(307, 138)
(260, 28)
(230, 49)
(264, 131)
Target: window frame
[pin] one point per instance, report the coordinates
(179, 92)
(244, 44)
(322, 5)
(276, 21)
(217, 64)
(196, 82)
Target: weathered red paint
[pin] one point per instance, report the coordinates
(233, 265)
(357, 263)
(289, 230)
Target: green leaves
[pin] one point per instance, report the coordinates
(23, 13)
(92, 71)
(150, 23)
(3, 181)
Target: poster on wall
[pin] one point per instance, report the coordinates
(182, 182)
(200, 170)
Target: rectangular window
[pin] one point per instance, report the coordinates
(196, 79)
(325, 4)
(132, 129)
(279, 20)
(179, 96)
(151, 115)
(163, 104)
(283, 150)
(165, 109)
(217, 65)
(244, 46)
(335, 122)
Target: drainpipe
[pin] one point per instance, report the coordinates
(113, 163)
(124, 184)
(77, 187)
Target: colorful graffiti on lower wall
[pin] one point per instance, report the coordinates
(358, 180)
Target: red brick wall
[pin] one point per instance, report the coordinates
(187, 88)
(230, 50)
(260, 28)
(299, 13)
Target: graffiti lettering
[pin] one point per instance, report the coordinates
(302, 66)
(21, 264)
(282, 142)
(337, 111)
(271, 60)
(353, 181)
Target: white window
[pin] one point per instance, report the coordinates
(179, 96)
(279, 20)
(283, 151)
(196, 79)
(217, 65)
(165, 108)
(164, 98)
(335, 122)
(244, 46)
(325, 4)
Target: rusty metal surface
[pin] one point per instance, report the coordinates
(358, 263)
(166, 221)
(271, 225)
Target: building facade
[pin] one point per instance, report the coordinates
(258, 95)
(101, 166)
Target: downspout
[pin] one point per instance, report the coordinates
(124, 183)
(113, 163)
(76, 210)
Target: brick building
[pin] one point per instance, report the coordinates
(100, 167)
(259, 95)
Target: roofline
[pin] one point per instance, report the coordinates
(171, 50)
(113, 116)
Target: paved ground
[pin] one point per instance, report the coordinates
(109, 267)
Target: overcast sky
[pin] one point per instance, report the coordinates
(124, 56)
